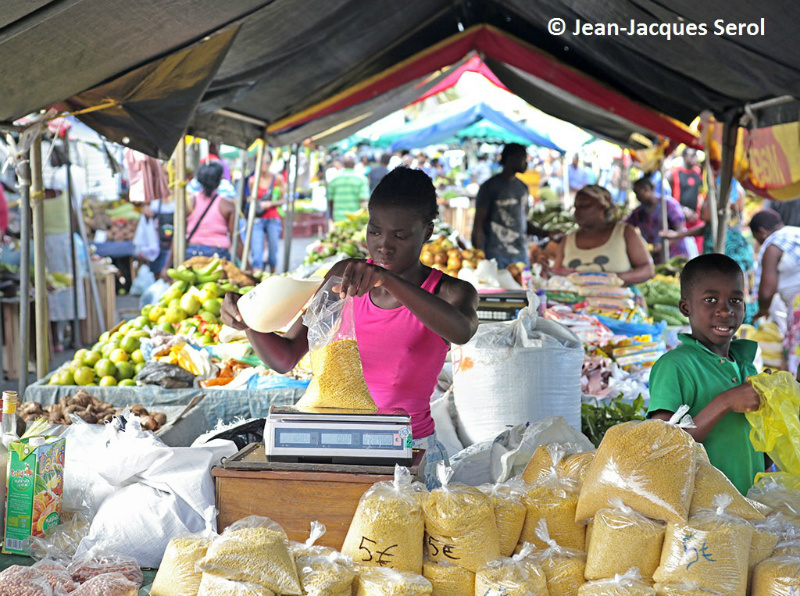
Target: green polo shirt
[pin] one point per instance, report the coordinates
(693, 375)
(346, 192)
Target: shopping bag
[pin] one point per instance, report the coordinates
(775, 426)
(145, 240)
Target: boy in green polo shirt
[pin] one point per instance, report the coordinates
(709, 370)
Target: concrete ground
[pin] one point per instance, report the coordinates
(128, 306)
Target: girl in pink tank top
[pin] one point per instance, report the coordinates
(406, 314)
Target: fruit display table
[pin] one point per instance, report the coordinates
(219, 404)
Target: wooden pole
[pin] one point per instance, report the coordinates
(294, 170)
(24, 174)
(179, 194)
(730, 131)
(39, 261)
(73, 215)
(251, 211)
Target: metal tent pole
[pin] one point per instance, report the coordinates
(251, 211)
(39, 261)
(664, 218)
(76, 330)
(179, 193)
(24, 172)
(288, 232)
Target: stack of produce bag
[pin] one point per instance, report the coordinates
(388, 527)
(553, 500)
(509, 512)
(603, 291)
(512, 576)
(626, 584)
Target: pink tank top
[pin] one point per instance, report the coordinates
(401, 357)
(213, 230)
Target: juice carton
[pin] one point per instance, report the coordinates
(35, 483)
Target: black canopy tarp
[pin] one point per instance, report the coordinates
(291, 56)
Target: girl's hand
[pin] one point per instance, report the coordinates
(360, 277)
(229, 313)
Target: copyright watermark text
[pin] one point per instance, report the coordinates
(633, 28)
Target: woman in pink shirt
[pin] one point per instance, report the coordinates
(406, 314)
(209, 226)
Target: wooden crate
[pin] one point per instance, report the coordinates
(293, 498)
(106, 288)
(11, 338)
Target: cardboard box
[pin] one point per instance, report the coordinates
(34, 486)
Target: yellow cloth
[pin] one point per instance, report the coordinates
(611, 257)
(56, 215)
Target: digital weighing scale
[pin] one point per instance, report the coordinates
(338, 436)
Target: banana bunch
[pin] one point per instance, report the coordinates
(191, 275)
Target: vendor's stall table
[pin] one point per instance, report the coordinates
(294, 495)
(121, 254)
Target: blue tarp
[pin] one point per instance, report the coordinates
(446, 128)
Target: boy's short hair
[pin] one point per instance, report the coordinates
(701, 266)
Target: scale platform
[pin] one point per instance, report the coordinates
(333, 436)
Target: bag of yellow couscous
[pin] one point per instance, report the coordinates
(563, 567)
(177, 575)
(621, 539)
(511, 576)
(683, 590)
(389, 525)
(460, 524)
(626, 584)
(448, 579)
(554, 500)
(710, 482)
(711, 550)
(214, 585)
(509, 511)
(780, 491)
(337, 377)
(326, 575)
(649, 465)
(568, 459)
(381, 581)
(310, 547)
(777, 576)
(253, 550)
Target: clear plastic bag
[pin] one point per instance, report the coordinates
(254, 550)
(326, 575)
(56, 575)
(621, 539)
(777, 576)
(711, 550)
(310, 547)
(765, 539)
(24, 581)
(460, 524)
(91, 565)
(214, 585)
(554, 500)
(108, 584)
(509, 512)
(649, 465)
(177, 575)
(511, 576)
(555, 455)
(626, 584)
(775, 426)
(683, 590)
(382, 581)
(448, 579)
(710, 482)
(338, 378)
(61, 542)
(780, 491)
(563, 567)
(389, 525)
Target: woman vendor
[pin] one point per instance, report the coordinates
(406, 314)
(601, 243)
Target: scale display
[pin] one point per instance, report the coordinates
(351, 439)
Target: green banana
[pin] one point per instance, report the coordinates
(208, 277)
(229, 287)
(245, 289)
(184, 275)
(179, 286)
(208, 269)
